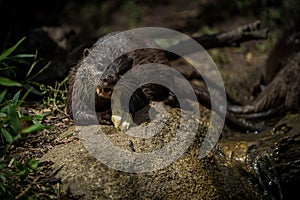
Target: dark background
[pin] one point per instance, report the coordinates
(60, 29)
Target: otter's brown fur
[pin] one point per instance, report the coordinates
(280, 78)
(281, 91)
(102, 105)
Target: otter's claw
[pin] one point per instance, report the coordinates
(122, 122)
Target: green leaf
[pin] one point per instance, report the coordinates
(23, 172)
(7, 52)
(9, 83)
(2, 177)
(14, 118)
(34, 91)
(2, 95)
(17, 165)
(16, 98)
(8, 137)
(24, 97)
(17, 137)
(41, 116)
(2, 115)
(33, 164)
(33, 85)
(33, 128)
(2, 187)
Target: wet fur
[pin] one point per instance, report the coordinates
(280, 76)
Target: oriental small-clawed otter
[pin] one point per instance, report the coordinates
(280, 77)
(280, 80)
(90, 72)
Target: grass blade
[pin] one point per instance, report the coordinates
(9, 83)
(39, 72)
(16, 98)
(22, 56)
(14, 118)
(31, 88)
(7, 52)
(2, 95)
(24, 97)
(34, 128)
(8, 137)
(31, 68)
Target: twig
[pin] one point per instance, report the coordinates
(28, 188)
(232, 38)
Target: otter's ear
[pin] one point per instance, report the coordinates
(124, 64)
(86, 53)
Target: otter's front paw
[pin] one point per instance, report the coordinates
(122, 121)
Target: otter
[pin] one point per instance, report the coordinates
(280, 94)
(284, 50)
(280, 79)
(108, 77)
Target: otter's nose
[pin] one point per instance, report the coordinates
(110, 80)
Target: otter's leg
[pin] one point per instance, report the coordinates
(271, 98)
(104, 118)
(92, 118)
(122, 114)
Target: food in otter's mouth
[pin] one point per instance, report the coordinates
(104, 92)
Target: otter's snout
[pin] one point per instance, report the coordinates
(109, 80)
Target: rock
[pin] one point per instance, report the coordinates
(188, 177)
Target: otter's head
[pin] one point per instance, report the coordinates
(285, 48)
(112, 74)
